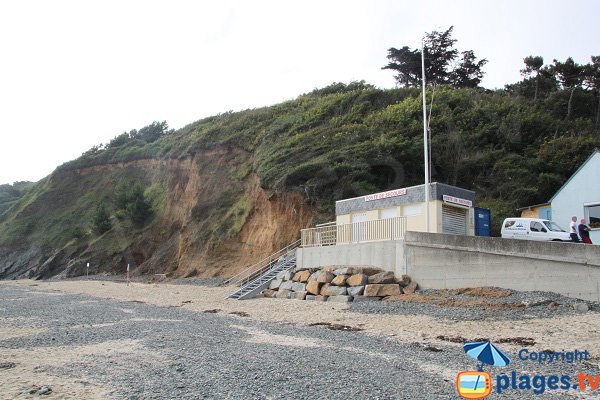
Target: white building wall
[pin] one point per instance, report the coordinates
(583, 187)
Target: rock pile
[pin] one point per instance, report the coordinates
(339, 284)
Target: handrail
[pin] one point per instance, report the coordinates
(260, 267)
(357, 232)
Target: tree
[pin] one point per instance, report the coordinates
(130, 199)
(440, 57)
(138, 209)
(151, 132)
(468, 74)
(407, 64)
(570, 74)
(592, 82)
(119, 140)
(101, 220)
(533, 64)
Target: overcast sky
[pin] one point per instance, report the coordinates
(77, 73)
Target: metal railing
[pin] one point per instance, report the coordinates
(358, 232)
(256, 270)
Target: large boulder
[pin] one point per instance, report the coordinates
(268, 293)
(301, 276)
(287, 285)
(367, 270)
(339, 280)
(403, 281)
(298, 296)
(357, 280)
(284, 275)
(382, 290)
(344, 271)
(275, 283)
(356, 290)
(382, 277)
(313, 287)
(332, 290)
(299, 287)
(315, 298)
(325, 277)
(410, 288)
(339, 299)
(283, 294)
(314, 276)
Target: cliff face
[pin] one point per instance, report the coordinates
(211, 218)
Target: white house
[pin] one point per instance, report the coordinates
(580, 197)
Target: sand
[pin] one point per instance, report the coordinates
(575, 331)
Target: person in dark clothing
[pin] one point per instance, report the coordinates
(584, 232)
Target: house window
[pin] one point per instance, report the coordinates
(592, 214)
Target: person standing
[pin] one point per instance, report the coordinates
(584, 232)
(573, 230)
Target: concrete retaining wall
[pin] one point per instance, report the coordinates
(440, 261)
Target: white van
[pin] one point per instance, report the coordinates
(533, 229)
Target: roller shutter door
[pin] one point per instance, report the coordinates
(454, 220)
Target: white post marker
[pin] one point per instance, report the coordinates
(87, 272)
(128, 281)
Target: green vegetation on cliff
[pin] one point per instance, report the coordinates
(348, 140)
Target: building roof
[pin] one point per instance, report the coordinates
(410, 195)
(596, 151)
(533, 206)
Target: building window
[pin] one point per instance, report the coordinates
(409, 211)
(592, 214)
(389, 213)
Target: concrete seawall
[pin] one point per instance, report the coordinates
(440, 261)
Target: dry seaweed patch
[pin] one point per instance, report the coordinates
(240, 313)
(337, 327)
(521, 341)
(482, 292)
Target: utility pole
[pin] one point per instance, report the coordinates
(425, 139)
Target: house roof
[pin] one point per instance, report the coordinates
(533, 206)
(596, 151)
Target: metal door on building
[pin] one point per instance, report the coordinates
(454, 220)
(483, 222)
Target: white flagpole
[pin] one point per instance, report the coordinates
(425, 141)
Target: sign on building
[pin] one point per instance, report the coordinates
(385, 195)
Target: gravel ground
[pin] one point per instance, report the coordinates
(132, 350)
(451, 305)
(208, 282)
